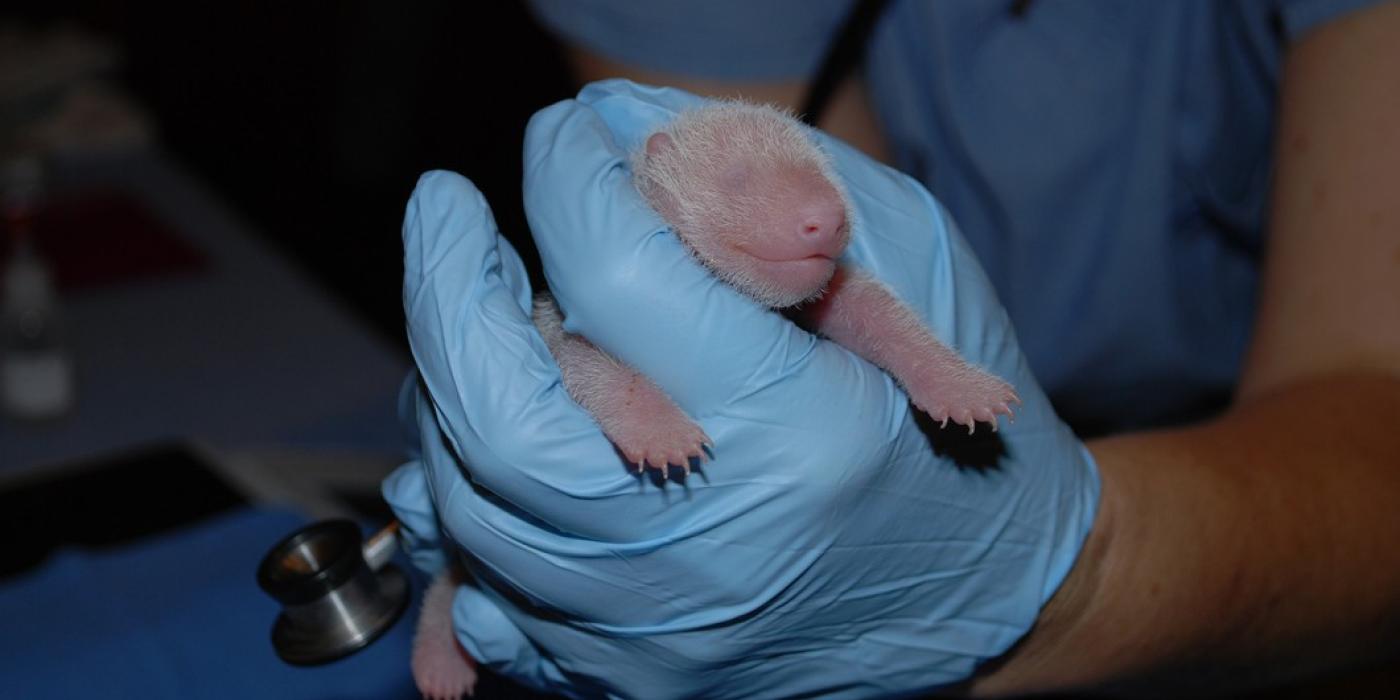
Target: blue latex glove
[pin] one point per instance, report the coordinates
(829, 549)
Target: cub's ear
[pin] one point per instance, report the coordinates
(659, 143)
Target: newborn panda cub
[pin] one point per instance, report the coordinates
(748, 191)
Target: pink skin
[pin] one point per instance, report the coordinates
(793, 246)
(789, 225)
(636, 415)
(442, 670)
(786, 222)
(863, 316)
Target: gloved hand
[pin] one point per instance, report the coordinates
(830, 548)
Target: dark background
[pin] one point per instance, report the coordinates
(314, 119)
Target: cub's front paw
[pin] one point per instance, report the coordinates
(652, 431)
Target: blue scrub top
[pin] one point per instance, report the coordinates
(1108, 161)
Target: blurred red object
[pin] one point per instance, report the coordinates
(98, 238)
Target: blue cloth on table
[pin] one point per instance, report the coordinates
(175, 616)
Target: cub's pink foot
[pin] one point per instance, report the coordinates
(444, 672)
(964, 396)
(651, 430)
(442, 669)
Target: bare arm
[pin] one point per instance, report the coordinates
(1266, 539)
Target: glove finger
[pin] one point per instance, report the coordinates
(632, 111)
(406, 492)
(493, 402)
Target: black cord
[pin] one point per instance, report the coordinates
(845, 53)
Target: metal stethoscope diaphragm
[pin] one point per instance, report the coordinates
(337, 593)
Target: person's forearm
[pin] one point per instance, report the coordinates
(1264, 544)
(1244, 551)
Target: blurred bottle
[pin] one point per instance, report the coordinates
(36, 369)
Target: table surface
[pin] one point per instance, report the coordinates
(244, 352)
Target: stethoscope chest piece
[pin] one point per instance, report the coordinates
(337, 595)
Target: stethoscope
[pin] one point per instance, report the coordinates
(338, 592)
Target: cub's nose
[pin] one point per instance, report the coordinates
(821, 226)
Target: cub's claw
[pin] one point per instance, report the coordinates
(965, 399)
